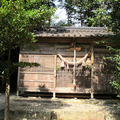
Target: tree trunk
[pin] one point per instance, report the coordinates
(7, 93)
(7, 89)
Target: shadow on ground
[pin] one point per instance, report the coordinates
(31, 108)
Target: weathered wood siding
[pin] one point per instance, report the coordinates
(37, 78)
(102, 72)
(45, 79)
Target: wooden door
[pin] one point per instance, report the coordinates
(83, 79)
(65, 76)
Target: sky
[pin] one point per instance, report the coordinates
(61, 14)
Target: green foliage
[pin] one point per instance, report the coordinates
(17, 20)
(108, 15)
(58, 67)
(70, 10)
(89, 67)
(79, 11)
(94, 13)
(25, 64)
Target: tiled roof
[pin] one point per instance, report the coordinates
(72, 32)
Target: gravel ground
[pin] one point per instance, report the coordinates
(38, 104)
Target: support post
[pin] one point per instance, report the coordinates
(74, 79)
(55, 64)
(92, 61)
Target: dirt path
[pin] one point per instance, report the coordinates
(59, 106)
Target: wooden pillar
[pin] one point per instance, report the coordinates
(74, 79)
(92, 61)
(55, 64)
(18, 77)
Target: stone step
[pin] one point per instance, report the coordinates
(77, 115)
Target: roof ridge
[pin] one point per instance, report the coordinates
(78, 28)
(70, 31)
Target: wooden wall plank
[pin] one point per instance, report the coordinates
(64, 77)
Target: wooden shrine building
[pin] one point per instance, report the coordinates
(70, 62)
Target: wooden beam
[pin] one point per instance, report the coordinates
(31, 72)
(43, 81)
(70, 90)
(35, 89)
(67, 39)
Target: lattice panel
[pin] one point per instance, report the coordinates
(102, 66)
(101, 83)
(103, 72)
(65, 76)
